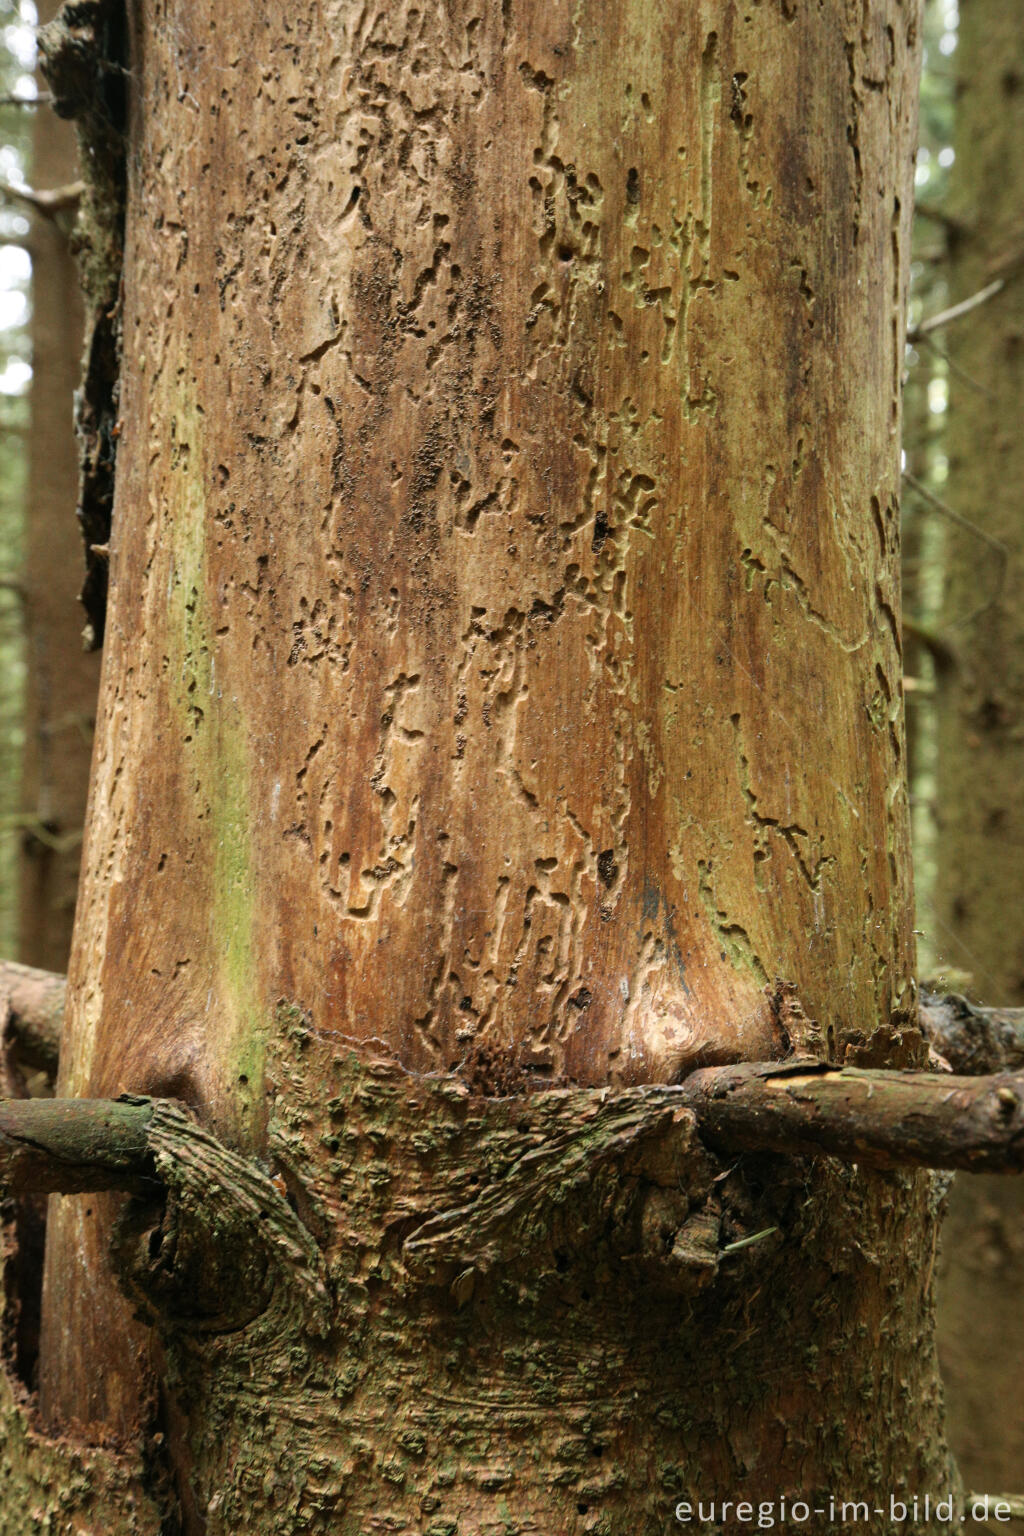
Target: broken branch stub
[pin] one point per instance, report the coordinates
(875, 1118)
(75, 1146)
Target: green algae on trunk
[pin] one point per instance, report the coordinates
(513, 395)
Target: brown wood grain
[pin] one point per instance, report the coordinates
(502, 654)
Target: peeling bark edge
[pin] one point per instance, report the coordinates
(876, 1119)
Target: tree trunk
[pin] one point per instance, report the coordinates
(501, 694)
(981, 717)
(61, 680)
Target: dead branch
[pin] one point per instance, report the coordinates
(36, 829)
(35, 1000)
(995, 1506)
(924, 328)
(70, 1146)
(48, 202)
(876, 1118)
(972, 1120)
(948, 221)
(972, 1039)
(941, 652)
(953, 515)
(11, 99)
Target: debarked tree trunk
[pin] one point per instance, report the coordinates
(502, 670)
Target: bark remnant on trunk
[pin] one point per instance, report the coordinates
(463, 1278)
(503, 666)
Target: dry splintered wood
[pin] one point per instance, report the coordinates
(875, 1118)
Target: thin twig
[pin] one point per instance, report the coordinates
(958, 372)
(955, 311)
(997, 545)
(1009, 262)
(34, 826)
(47, 202)
(13, 100)
(951, 513)
(938, 648)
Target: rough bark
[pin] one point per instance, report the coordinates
(971, 1039)
(980, 890)
(32, 1003)
(533, 1250)
(503, 668)
(879, 1119)
(875, 1119)
(60, 681)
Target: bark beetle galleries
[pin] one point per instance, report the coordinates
(537, 627)
(503, 652)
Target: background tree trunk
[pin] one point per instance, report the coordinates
(501, 691)
(980, 892)
(61, 680)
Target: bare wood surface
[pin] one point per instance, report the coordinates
(972, 1039)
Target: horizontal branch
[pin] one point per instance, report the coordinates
(973, 1120)
(939, 215)
(995, 1506)
(13, 99)
(972, 1039)
(879, 1119)
(37, 830)
(47, 201)
(35, 1000)
(72, 1146)
(874, 1118)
